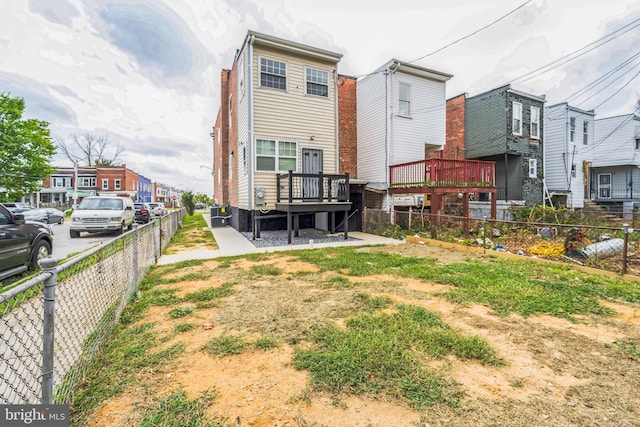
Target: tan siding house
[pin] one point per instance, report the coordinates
(281, 105)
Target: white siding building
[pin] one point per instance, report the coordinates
(401, 116)
(616, 159)
(569, 143)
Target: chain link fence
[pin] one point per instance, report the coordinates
(53, 324)
(613, 247)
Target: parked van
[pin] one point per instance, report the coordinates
(102, 213)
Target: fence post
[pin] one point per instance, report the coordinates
(135, 258)
(49, 294)
(625, 228)
(410, 212)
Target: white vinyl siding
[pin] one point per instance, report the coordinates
(516, 123)
(372, 154)
(615, 141)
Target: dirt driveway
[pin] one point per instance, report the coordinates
(557, 372)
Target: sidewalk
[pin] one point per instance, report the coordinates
(231, 243)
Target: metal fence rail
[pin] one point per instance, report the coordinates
(83, 298)
(613, 248)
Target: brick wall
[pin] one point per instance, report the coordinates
(454, 147)
(221, 142)
(348, 126)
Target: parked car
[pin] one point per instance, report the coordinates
(102, 213)
(22, 243)
(46, 215)
(144, 213)
(158, 209)
(16, 207)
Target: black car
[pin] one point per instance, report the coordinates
(22, 243)
(46, 215)
(144, 213)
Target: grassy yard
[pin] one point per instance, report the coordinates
(336, 336)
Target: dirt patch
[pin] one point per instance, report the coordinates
(556, 373)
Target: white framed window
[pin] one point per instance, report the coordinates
(535, 122)
(317, 82)
(116, 184)
(273, 74)
(105, 184)
(86, 181)
(241, 76)
(516, 124)
(60, 182)
(572, 129)
(585, 132)
(276, 155)
(533, 168)
(404, 99)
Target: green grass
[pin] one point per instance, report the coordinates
(180, 312)
(266, 270)
(224, 345)
(194, 231)
(381, 353)
(129, 350)
(177, 410)
(266, 343)
(629, 347)
(506, 286)
(183, 327)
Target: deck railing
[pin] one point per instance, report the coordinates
(312, 187)
(442, 173)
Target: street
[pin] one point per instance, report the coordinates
(63, 245)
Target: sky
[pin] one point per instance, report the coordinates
(146, 73)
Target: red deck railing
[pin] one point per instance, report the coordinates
(442, 173)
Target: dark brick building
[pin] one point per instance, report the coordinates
(348, 125)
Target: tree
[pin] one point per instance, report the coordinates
(90, 150)
(202, 198)
(26, 150)
(187, 201)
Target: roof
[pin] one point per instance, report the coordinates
(409, 68)
(290, 46)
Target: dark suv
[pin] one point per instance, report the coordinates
(144, 213)
(22, 244)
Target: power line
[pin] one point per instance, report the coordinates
(473, 33)
(618, 91)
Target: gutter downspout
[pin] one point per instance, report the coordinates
(250, 142)
(389, 125)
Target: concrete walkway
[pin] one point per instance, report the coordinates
(231, 242)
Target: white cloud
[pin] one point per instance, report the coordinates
(147, 72)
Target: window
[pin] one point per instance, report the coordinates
(273, 74)
(274, 155)
(516, 124)
(317, 82)
(535, 122)
(572, 129)
(86, 181)
(533, 168)
(573, 170)
(116, 184)
(60, 182)
(637, 143)
(404, 100)
(585, 133)
(241, 76)
(105, 184)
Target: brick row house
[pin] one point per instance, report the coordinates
(60, 189)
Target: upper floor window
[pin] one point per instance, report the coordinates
(535, 122)
(105, 184)
(241, 76)
(273, 74)
(516, 124)
(274, 155)
(404, 100)
(60, 182)
(86, 181)
(116, 184)
(533, 168)
(572, 129)
(638, 143)
(317, 82)
(585, 132)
